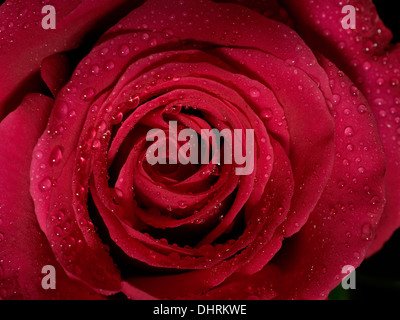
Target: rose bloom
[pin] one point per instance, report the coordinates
(77, 193)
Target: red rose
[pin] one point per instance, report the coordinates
(78, 192)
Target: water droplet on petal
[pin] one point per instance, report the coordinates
(182, 204)
(55, 156)
(153, 42)
(374, 200)
(109, 65)
(102, 126)
(118, 118)
(266, 114)
(336, 99)
(96, 144)
(38, 154)
(87, 93)
(167, 33)
(132, 102)
(379, 101)
(354, 91)
(367, 66)
(382, 113)
(350, 147)
(254, 92)
(95, 69)
(349, 131)
(45, 184)
(341, 184)
(362, 108)
(394, 82)
(366, 232)
(123, 50)
(104, 51)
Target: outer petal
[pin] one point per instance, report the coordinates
(24, 43)
(24, 249)
(366, 56)
(341, 228)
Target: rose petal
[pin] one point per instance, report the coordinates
(341, 228)
(24, 248)
(55, 71)
(373, 64)
(24, 43)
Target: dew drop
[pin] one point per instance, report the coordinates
(58, 216)
(350, 147)
(45, 184)
(341, 184)
(341, 45)
(336, 99)
(374, 200)
(72, 113)
(362, 108)
(95, 69)
(182, 204)
(167, 33)
(367, 66)
(366, 232)
(132, 102)
(102, 126)
(58, 231)
(394, 82)
(87, 94)
(254, 92)
(349, 131)
(382, 113)
(109, 65)
(118, 118)
(96, 144)
(38, 154)
(379, 101)
(55, 156)
(59, 130)
(354, 91)
(123, 50)
(104, 51)
(266, 114)
(153, 42)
